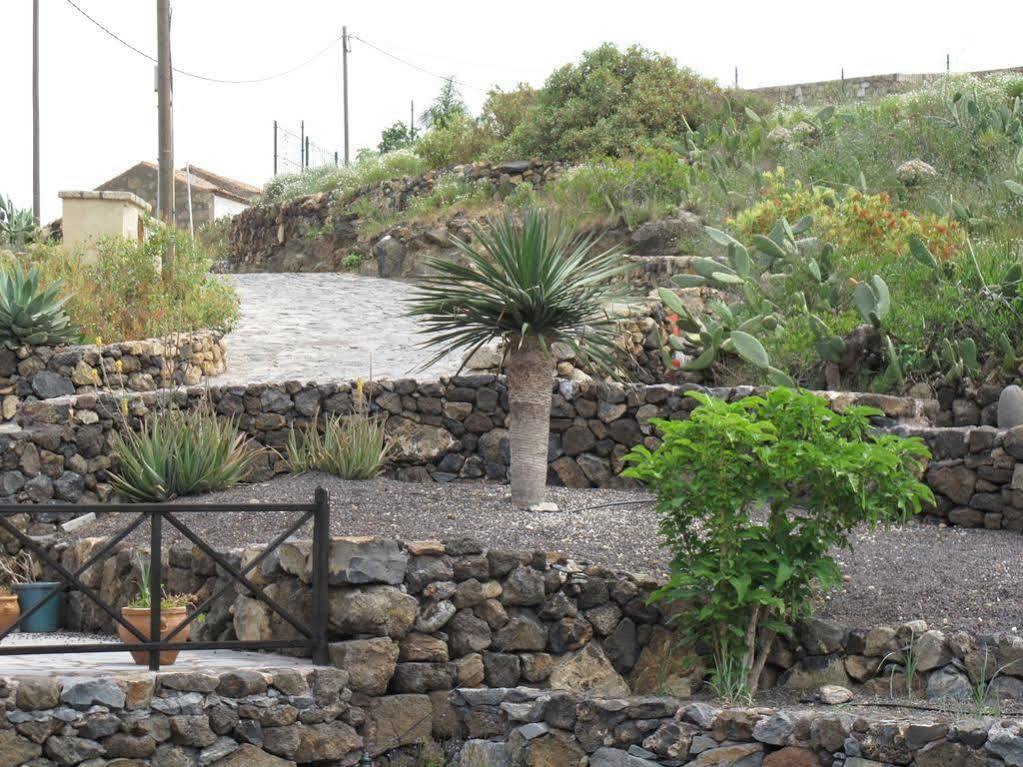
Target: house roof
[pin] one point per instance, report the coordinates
(199, 178)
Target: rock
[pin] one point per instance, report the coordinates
(952, 479)
(931, 651)
(948, 683)
(483, 753)
(522, 633)
(15, 750)
(822, 637)
(524, 586)
(737, 755)
(397, 720)
(367, 559)
(1010, 407)
(835, 695)
(251, 619)
(325, 742)
(467, 634)
(423, 648)
(241, 683)
(587, 671)
(569, 633)
(776, 729)
(192, 731)
(423, 677)
(809, 674)
(434, 616)
(614, 757)
(554, 749)
(1004, 740)
(501, 669)
(248, 755)
(418, 443)
(48, 385)
(83, 692)
(370, 663)
(37, 693)
(376, 610)
(390, 256)
(470, 670)
(666, 666)
(792, 756)
(665, 237)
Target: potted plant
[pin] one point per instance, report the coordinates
(173, 610)
(22, 572)
(9, 610)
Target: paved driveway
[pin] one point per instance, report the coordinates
(324, 327)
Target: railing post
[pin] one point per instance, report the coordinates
(155, 584)
(320, 575)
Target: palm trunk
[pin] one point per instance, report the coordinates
(530, 380)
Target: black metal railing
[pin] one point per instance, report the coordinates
(313, 635)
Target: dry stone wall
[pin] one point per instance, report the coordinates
(31, 373)
(508, 658)
(317, 232)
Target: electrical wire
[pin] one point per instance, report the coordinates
(418, 68)
(194, 75)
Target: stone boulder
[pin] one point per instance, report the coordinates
(370, 663)
(398, 720)
(418, 443)
(367, 559)
(665, 237)
(1010, 407)
(587, 671)
(666, 666)
(376, 610)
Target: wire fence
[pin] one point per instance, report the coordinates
(293, 151)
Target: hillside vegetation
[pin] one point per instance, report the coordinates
(869, 244)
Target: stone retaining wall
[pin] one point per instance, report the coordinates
(316, 233)
(510, 658)
(32, 373)
(446, 430)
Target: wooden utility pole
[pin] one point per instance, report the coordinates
(344, 81)
(35, 112)
(165, 103)
(412, 119)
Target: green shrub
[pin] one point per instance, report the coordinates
(752, 497)
(123, 295)
(32, 315)
(457, 140)
(609, 103)
(350, 447)
(180, 452)
(17, 226)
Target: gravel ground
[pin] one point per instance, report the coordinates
(950, 577)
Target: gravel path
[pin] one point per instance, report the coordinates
(323, 327)
(952, 578)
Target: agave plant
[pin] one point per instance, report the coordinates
(17, 226)
(531, 282)
(180, 453)
(30, 314)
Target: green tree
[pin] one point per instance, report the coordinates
(529, 282)
(400, 135)
(503, 111)
(753, 496)
(446, 107)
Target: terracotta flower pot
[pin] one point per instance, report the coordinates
(9, 611)
(138, 617)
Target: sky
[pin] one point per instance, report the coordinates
(98, 104)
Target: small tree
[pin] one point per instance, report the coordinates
(447, 106)
(399, 135)
(752, 497)
(530, 282)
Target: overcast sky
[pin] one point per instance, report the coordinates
(99, 106)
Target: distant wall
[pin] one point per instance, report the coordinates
(857, 88)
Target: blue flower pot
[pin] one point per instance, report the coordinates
(47, 618)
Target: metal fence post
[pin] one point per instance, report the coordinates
(320, 576)
(155, 584)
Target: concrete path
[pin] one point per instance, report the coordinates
(324, 327)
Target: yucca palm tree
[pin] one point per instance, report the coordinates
(530, 281)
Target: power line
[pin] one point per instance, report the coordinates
(194, 75)
(425, 71)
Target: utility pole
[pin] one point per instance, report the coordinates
(166, 122)
(344, 81)
(412, 119)
(737, 78)
(35, 112)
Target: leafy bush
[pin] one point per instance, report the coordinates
(633, 189)
(180, 452)
(458, 139)
(400, 135)
(609, 103)
(30, 314)
(122, 294)
(350, 447)
(752, 497)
